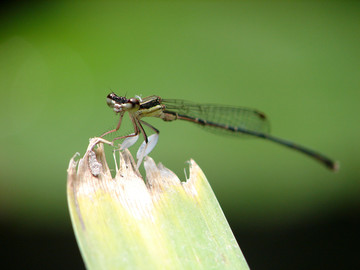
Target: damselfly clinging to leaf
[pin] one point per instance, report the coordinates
(230, 120)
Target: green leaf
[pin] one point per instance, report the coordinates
(125, 223)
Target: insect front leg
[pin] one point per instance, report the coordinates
(117, 127)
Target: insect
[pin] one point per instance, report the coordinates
(237, 121)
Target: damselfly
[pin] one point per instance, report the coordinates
(230, 120)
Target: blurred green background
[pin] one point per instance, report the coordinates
(297, 62)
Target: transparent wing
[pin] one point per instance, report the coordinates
(244, 118)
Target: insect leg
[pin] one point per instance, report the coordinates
(136, 130)
(141, 129)
(117, 127)
(150, 126)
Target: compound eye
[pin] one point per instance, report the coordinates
(110, 102)
(134, 101)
